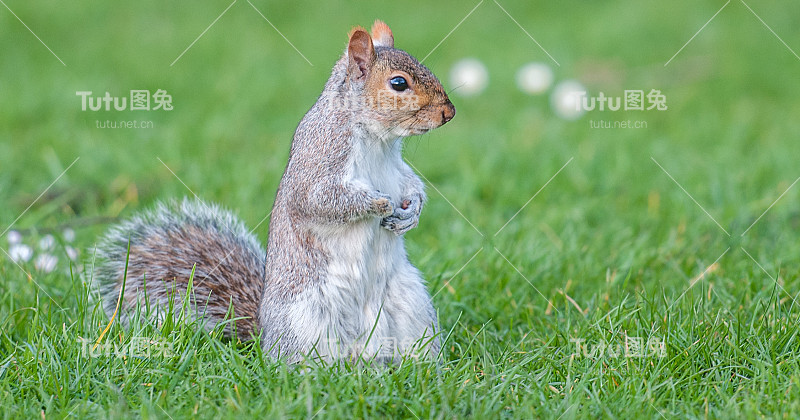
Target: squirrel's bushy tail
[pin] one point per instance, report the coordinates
(165, 244)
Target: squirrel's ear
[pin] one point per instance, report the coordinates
(361, 53)
(382, 35)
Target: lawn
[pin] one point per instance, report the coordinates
(578, 272)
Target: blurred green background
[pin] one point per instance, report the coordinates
(610, 226)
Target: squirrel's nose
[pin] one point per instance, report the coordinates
(448, 112)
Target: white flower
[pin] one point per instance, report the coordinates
(72, 253)
(534, 78)
(45, 263)
(47, 242)
(469, 77)
(13, 237)
(566, 99)
(68, 234)
(20, 252)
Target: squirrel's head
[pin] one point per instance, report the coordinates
(401, 96)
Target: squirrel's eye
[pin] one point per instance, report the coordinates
(398, 83)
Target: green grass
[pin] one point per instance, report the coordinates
(608, 250)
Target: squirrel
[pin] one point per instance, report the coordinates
(334, 282)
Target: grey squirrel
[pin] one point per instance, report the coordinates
(335, 282)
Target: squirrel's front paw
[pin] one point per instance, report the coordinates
(405, 217)
(382, 206)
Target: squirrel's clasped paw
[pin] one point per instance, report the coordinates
(405, 217)
(382, 206)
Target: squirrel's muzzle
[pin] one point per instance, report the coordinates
(448, 112)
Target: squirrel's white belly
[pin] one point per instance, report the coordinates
(363, 255)
(363, 258)
(364, 251)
